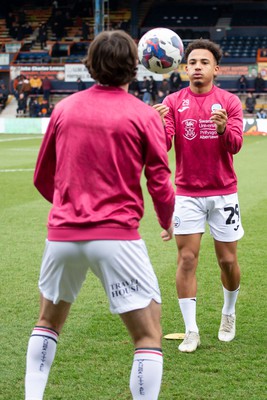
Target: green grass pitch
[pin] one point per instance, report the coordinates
(94, 353)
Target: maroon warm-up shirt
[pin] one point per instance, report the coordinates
(204, 160)
(90, 164)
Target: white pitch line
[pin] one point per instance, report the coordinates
(20, 138)
(17, 170)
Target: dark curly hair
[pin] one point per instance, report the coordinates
(112, 58)
(204, 44)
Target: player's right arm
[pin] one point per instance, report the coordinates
(167, 234)
(46, 163)
(166, 113)
(162, 110)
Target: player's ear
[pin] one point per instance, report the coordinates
(216, 69)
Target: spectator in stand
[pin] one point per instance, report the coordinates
(80, 84)
(175, 81)
(3, 96)
(250, 103)
(34, 108)
(36, 84)
(46, 86)
(242, 84)
(261, 114)
(15, 86)
(58, 28)
(22, 105)
(146, 96)
(21, 17)
(42, 35)
(153, 89)
(164, 90)
(259, 84)
(50, 110)
(12, 31)
(68, 19)
(26, 87)
(27, 29)
(20, 33)
(54, 5)
(134, 88)
(10, 20)
(19, 86)
(44, 107)
(85, 30)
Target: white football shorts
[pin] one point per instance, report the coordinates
(222, 214)
(123, 267)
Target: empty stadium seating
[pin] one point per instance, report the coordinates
(243, 46)
(172, 15)
(32, 58)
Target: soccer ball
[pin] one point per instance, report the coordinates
(160, 50)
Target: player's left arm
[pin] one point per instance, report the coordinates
(229, 122)
(158, 173)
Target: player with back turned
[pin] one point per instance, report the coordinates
(206, 125)
(89, 167)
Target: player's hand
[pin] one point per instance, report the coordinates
(219, 117)
(167, 235)
(162, 110)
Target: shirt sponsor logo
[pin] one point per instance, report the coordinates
(207, 129)
(189, 128)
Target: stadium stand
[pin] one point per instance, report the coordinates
(174, 14)
(32, 57)
(249, 14)
(239, 27)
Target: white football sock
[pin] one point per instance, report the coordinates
(40, 355)
(188, 308)
(230, 298)
(146, 374)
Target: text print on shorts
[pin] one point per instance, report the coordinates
(123, 267)
(233, 213)
(220, 212)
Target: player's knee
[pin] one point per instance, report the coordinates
(227, 264)
(187, 260)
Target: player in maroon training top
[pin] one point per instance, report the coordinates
(205, 123)
(98, 143)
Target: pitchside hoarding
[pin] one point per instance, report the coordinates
(71, 72)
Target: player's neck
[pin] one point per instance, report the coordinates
(201, 89)
(125, 87)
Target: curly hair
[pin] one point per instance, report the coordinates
(204, 44)
(112, 58)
